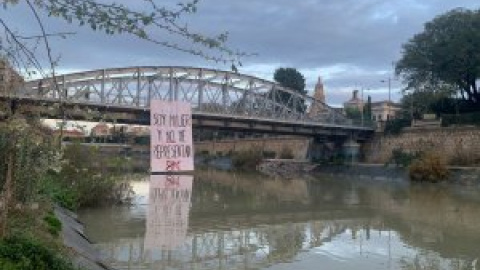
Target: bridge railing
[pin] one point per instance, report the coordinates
(208, 90)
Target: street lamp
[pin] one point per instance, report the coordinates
(389, 95)
(389, 88)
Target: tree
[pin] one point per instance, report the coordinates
(445, 54)
(292, 79)
(151, 21)
(417, 103)
(353, 113)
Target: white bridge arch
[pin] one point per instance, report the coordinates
(209, 91)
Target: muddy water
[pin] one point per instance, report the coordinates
(223, 220)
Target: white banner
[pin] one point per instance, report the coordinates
(171, 144)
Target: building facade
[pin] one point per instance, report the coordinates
(355, 102)
(385, 110)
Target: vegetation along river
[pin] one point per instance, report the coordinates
(227, 220)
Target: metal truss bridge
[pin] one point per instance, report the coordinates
(219, 99)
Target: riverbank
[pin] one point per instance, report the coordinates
(457, 175)
(84, 255)
(288, 168)
(291, 168)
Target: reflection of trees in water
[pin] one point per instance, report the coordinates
(427, 260)
(285, 242)
(250, 248)
(243, 221)
(438, 206)
(433, 217)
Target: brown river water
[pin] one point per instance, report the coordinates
(226, 220)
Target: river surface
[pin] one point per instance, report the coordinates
(225, 220)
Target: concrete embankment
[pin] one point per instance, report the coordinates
(84, 255)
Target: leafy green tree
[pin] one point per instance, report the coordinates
(26, 153)
(290, 78)
(445, 54)
(416, 103)
(353, 113)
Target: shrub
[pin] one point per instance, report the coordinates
(430, 167)
(286, 153)
(58, 192)
(401, 158)
(83, 179)
(395, 126)
(53, 223)
(19, 253)
(461, 119)
(269, 154)
(32, 154)
(246, 159)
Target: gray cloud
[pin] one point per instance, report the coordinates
(351, 43)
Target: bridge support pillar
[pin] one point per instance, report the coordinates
(351, 151)
(341, 150)
(322, 149)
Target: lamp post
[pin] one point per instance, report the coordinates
(389, 81)
(389, 95)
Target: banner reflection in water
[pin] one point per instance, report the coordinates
(168, 210)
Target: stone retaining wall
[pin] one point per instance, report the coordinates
(457, 145)
(297, 145)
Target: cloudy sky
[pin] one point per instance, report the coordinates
(349, 43)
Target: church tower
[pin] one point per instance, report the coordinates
(319, 93)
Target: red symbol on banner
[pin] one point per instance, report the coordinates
(173, 165)
(172, 181)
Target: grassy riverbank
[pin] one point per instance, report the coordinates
(38, 174)
(33, 241)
